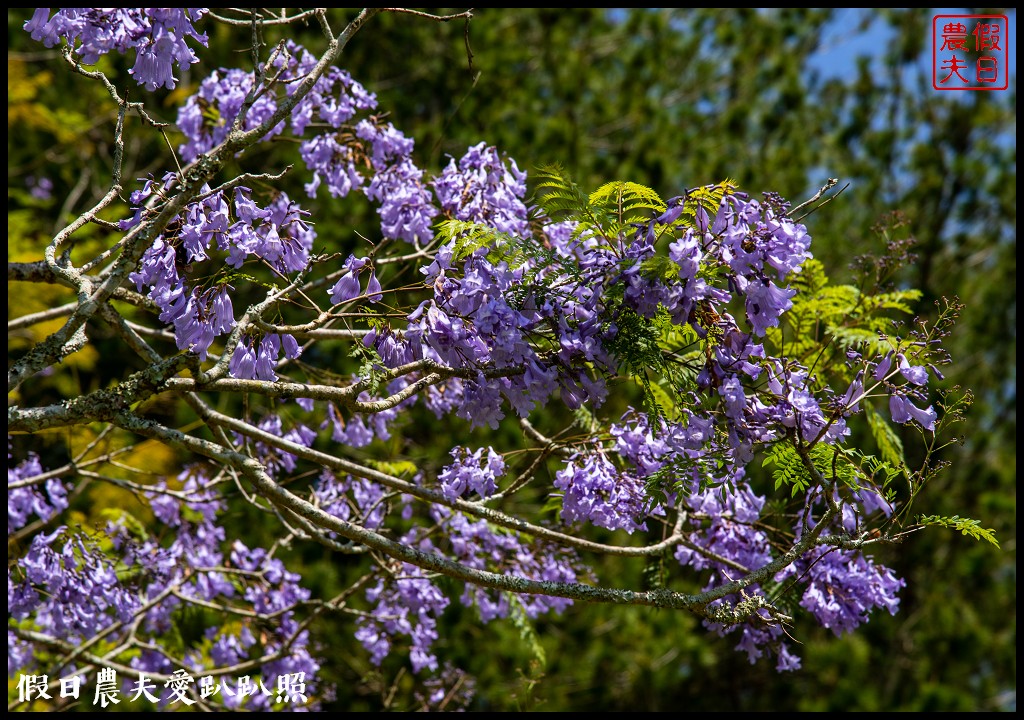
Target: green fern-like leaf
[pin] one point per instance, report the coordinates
(654, 572)
(853, 337)
(664, 400)
(890, 446)
(521, 621)
(626, 202)
(787, 467)
(834, 301)
(812, 278)
(468, 237)
(900, 300)
(560, 198)
(710, 196)
(872, 471)
(966, 526)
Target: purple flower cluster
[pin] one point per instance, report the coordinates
(40, 188)
(843, 587)
(452, 689)
(901, 407)
(361, 429)
(237, 231)
(158, 36)
(338, 157)
(349, 287)
(26, 501)
(257, 359)
(731, 513)
(275, 460)
(481, 187)
(406, 206)
(481, 546)
(472, 472)
(208, 116)
(68, 587)
(594, 490)
(193, 562)
(353, 499)
(405, 604)
(725, 521)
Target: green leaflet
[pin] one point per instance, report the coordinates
(608, 212)
(966, 526)
(471, 236)
(397, 468)
(890, 446)
(521, 621)
(788, 468)
(823, 314)
(629, 198)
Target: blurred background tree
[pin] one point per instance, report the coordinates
(777, 100)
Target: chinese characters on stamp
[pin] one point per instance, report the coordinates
(970, 52)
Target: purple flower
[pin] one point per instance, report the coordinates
(903, 411)
(40, 188)
(373, 289)
(882, 368)
(472, 472)
(243, 361)
(765, 303)
(158, 35)
(851, 401)
(914, 373)
(348, 288)
(594, 491)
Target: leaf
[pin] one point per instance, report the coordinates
(521, 621)
(889, 443)
(663, 399)
(628, 201)
(966, 526)
(787, 467)
(397, 468)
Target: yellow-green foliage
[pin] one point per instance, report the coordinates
(966, 526)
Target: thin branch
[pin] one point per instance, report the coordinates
(431, 496)
(41, 316)
(288, 20)
(467, 14)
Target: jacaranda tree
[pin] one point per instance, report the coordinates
(674, 382)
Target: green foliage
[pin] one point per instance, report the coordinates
(655, 572)
(371, 367)
(966, 526)
(833, 464)
(843, 314)
(521, 621)
(397, 468)
(468, 237)
(787, 467)
(889, 443)
(608, 212)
